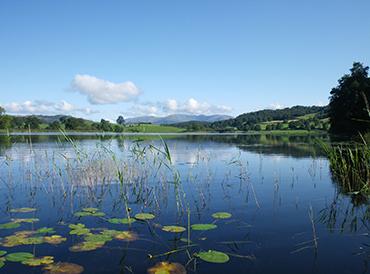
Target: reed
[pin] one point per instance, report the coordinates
(350, 165)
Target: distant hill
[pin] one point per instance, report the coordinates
(177, 118)
(48, 119)
(246, 120)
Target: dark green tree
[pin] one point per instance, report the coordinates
(120, 120)
(349, 110)
(32, 122)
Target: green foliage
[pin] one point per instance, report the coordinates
(221, 215)
(212, 256)
(248, 121)
(120, 120)
(203, 227)
(19, 257)
(349, 109)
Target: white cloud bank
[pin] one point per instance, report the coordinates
(45, 107)
(100, 91)
(172, 106)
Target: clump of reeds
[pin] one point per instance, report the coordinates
(350, 166)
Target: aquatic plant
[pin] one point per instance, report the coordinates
(350, 166)
(23, 210)
(63, 268)
(19, 257)
(46, 260)
(221, 215)
(203, 226)
(173, 228)
(144, 216)
(212, 256)
(167, 268)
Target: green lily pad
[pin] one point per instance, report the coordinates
(90, 209)
(25, 220)
(203, 226)
(86, 246)
(173, 228)
(144, 216)
(98, 238)
(2, 253)
(85, 214)
(22, 210)
(124, 221)
(221, 215)
(78, 229)
(46, 260)
(45, 230)
(212, 256)
(61, 268)
(10, 225)
(2, 262)
(19, 257)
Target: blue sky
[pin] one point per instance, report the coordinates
(104, 58)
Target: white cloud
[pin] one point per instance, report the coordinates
(172, 106)
(101, 91)
(276, 105)
(192, 106)
(45, 107)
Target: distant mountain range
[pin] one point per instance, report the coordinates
(177, 118)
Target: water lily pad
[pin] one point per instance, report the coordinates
(23, 210)
(54, 239)
(221, 215)
(25, 220)
(39, 261)
(126, 236)
(173, 228)
(203, 226)
(98, 238)
(167, 268)
(86, 246)
(2, 253)
(124, 221)
(213, 256)
(78, 229)
(144, 216)
(63, 268)
(85, 214)
(45, 230)
(90, 209)
(11, 225)
(19, 257)
(2, 262)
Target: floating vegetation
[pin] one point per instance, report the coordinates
(78, 229)
(19, 257)
(2, 259)
(45, 230)
(203, 226)
(173, 228)
(10, 225)
(144, 216)
(23, 210)
(63, 268)
(54, 239)
(86, 246)
(124, 221)
(221, 215)
(167, 268)
(25, 220)
(126, 236)
(46, 260)
(90, 211)
(212, 256)
(30, 238)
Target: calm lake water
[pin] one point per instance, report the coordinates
(288, 215)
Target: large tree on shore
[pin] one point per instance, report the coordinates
(349, 110)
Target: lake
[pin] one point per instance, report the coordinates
(75, 198)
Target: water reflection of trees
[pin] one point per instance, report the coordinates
(287, 145)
